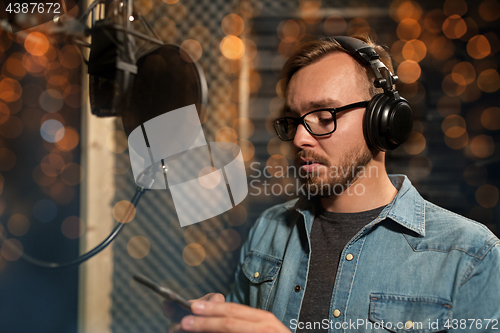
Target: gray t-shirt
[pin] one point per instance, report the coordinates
(329, 235)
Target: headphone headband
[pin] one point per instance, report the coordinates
(367, 55)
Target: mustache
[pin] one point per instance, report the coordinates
(310, 155)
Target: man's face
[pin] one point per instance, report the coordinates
(332, 82)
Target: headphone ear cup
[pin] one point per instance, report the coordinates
(388, 122)
(371, 121)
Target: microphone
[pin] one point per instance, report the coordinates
(111, 64)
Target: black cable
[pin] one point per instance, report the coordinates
(118, 228)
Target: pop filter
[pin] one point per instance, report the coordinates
(167, 79)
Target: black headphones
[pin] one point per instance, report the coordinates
(388, 119)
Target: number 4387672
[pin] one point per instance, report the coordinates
(34, 7)
(472, 324)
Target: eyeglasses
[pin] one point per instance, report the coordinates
(318, 122)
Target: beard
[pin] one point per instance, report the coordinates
(342, 175)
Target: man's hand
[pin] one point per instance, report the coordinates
(230, 317)
(170, 312)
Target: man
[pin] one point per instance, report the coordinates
(367, 253)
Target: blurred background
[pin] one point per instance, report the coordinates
(65, 176)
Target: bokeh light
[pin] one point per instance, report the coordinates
(200, 34)
(487, 196)
(442, 48)
(490, 118)
(177, 12)
(454, 27)
(10, 90)
(70, 139)
(478, 47)
(414, 50)
(232, 24)
(401, 10)
(247, 149)
(165, 28)
(124, 211)
(52, 130)
(488, 80)
(451, 87)
(416, 143)
(41, 178)
(36, 43)
(193, 49)
(209, 177)
(458, 142)
(226, 134)
(18, 224)
(232, 47)
(463, 73)
(453, 126)
(290, 31)
(310, 11)
(193, 254)
(51, 100)
(44, 210)
(489, 10)
(73, 227)
(409, 71)
(408, 29)
(35, 64)
(12, 249)
(482, 146)
(138, 247)
(14, 66)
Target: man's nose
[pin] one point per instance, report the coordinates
(303, 138)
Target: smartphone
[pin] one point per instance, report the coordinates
(175, 306)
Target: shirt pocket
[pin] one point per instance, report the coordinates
(262, 271)
(416, 314)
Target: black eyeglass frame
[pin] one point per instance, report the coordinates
(333, 111)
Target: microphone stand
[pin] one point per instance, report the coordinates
(118, 228)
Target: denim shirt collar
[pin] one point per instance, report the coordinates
(406, 209)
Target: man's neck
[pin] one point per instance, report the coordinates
(372, 189)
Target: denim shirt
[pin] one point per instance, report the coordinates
(416, 268)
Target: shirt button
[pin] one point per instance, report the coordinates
(409, 324)
(256, 274)
(336, 313)
(349, 257)
(297, 288)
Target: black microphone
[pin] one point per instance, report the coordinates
(111, 64)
